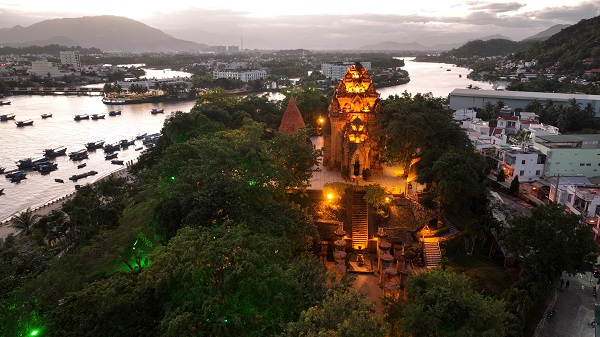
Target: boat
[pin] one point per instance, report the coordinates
(92, 172)
(80, 117)
(98, 116)
(448, 69)
(78, 155)
(157, 111)
(141, 136)
(125, 143)
(111, 156)
(113, 101)
(2, 170)
(114, 112)
(59, 181)
(17, 176)
(117, 162)
(59, 151)
(81, 165)
(44, 116)
(139, 148)
(76, 177)
(111, 148)
(4, 103)
(48, 167)
(24, 123)
(1, 191)
(24, 164)
(459, 76)
(94, 145)
(7, 117)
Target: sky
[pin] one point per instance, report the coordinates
(319, 24)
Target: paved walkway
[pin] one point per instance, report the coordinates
(391, 178)
(574, 309)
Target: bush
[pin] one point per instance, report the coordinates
(366, 173)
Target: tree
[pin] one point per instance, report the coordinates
(343, 313)
(514, 185)
(442, 303)
(501, 177)
(25, 221)
(552, 240)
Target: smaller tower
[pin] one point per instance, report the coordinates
(292, 120)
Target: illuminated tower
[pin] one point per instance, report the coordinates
(350, 146)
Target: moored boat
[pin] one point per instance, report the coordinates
(2, 170)
(94, 145)
(111, 156)
(78, 155)
(81, 165)
(114, 112)
(113, 101)
(44, 116)
(155, 111)
(80, 117)
(125, 143)
(112, 147)
(7, 117)
(17, 176)
(59, 151)
(4, 103)
(117, 162)
(1, 191)
(98, 116)
(24, 123)
(47, 167)
(59, 180)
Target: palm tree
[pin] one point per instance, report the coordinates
(25, 221)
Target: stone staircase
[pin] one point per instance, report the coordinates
(431, 252)
(360, 220)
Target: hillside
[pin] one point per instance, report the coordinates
(109, 33)
(494, 47)
(544, 35)
(568, 48)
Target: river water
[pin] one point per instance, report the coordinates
(61, 130)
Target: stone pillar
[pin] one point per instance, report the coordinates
(383, 248)
(323, 253)
(340, 261)
(385, 260)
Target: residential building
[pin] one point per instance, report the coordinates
(337, 70)
(570, 155)
(71, 58)
(242, 75)
(526, 163)
(46, 68)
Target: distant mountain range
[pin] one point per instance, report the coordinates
(414, 46)
(108, 33)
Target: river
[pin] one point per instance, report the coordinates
(61, 130)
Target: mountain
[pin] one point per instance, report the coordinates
(487, 48)
(493, 37)
(568, 48)
(390, 45)
(541, 36)
(109, 33)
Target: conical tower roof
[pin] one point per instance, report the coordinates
(292, 119)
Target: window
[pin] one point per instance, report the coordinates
(582, 164)
(570, 198)
(523, 161)
(588, 164)
(537, 172)
(521, 173)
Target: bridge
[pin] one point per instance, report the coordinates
(70, 90)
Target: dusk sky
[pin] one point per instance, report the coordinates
(319, 24)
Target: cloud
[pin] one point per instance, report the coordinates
(496, 7)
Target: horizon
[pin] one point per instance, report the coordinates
(322, 26)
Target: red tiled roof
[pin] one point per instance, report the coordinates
(512, 118)
(292, 120)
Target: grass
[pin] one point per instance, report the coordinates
(488, 275)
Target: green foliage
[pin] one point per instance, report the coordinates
(342, 313)
(493, 47)
(312, 104)
(375, 195)
(552, 240)
(25, 221)
(514, 185)
(366, 173)
(501, 177)
(444, 304)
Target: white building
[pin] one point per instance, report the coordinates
(526, 163)
(45, 68)
(242, 75)
(72, 58)
(337, 70)
(464, 114)
(570, 155)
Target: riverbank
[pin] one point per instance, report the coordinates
(6, 228)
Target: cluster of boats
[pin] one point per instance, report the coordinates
(96, 116)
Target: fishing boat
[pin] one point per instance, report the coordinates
(113, 101)
(114, 112)
(80, 117)
(116, 162)
(125, 143)
(1, 191)
(47, 167)
(30, 164)
(141, 136)
(7, 117)
(2, 170)
(59, 151)
(78, 155)
(44, 116)
(98, 116)
(59, 181)
(111, 156)
(94, 145)
(112, 148)
(81, 165)
(17, 176)
(157, 111)
(4, 103)
(24, 123)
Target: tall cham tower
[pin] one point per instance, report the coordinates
(351, 145)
